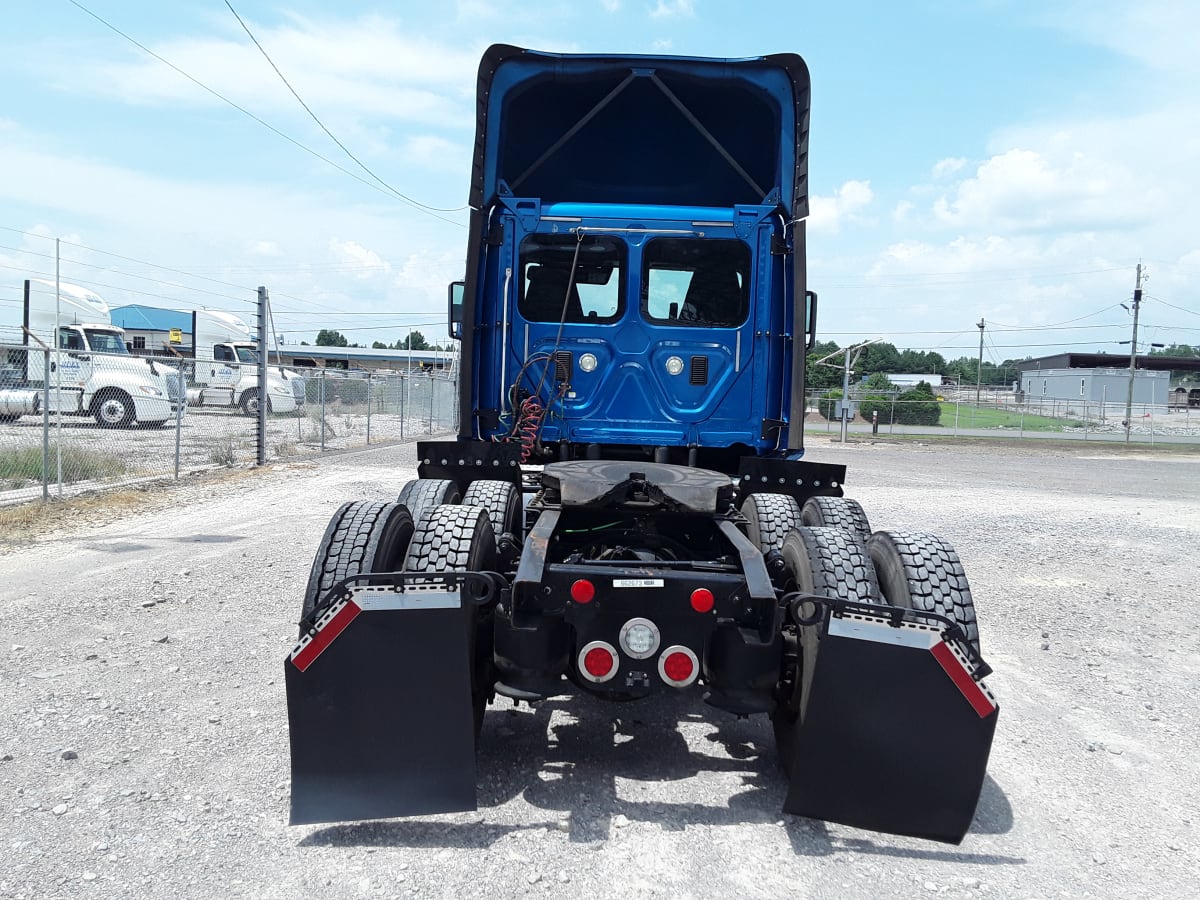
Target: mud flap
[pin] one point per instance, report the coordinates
(896, 733)
(379, 708)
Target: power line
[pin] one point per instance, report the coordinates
(1172, 305)
(321, 124)
(257, 119)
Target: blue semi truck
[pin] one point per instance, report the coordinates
(626, 510)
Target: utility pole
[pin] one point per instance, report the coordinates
(979, 370)
(1137, 303)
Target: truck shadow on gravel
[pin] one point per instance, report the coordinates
(582, 766)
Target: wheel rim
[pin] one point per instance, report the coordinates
(112, 411)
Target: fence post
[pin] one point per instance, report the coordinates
(403, 403)
(45, 426)
(368, 409)
(179, 417)
(322, 410)
(430, 431)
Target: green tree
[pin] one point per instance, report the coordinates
(918, 406)
(877, 381)
(378, 345)
(416, 341)
(823, 376)
(328, 338)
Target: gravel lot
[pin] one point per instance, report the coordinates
(144, 743)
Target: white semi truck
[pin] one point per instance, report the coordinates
(226, 368)
(91, 371)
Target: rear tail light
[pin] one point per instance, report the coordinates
(583, 591)
(678, 666)
(598, 661)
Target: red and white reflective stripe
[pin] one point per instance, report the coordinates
(979, 699)
(329, 626)
(918, 637)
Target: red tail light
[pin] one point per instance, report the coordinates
(598, 661)
(678, 666)
(583, 591)
(702, 600)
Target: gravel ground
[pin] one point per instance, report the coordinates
(144, 743)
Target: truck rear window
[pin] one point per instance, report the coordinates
(596, 291)
(696, 282)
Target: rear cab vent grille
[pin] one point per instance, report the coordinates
(699, 373)
(563, 366)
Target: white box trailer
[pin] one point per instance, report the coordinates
(226, 368)
(91, 371)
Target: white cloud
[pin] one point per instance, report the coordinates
(828, 213)
(366, 67)
(264, 248)
(945, 167)
(669, 9)
(1024, 190)
(360, 262)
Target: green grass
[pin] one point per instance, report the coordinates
(970, 416)
(21, 466)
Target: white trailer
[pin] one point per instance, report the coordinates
(226, 368)
(92, 372)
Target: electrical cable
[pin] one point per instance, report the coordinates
(321, 124)
(247, 112)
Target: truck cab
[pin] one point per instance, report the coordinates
(226, 368)
(634, 286)
(88, 367)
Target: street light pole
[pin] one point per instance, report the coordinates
(1137, 304)
(979, 370)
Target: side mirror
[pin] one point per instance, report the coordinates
(810, 319)
(454, 315)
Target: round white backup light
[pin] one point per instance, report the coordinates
(674, 365)
(587, 362)
(639, 638)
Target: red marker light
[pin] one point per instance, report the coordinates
(597, 661)
(678, 666)
(702, 600)
(583, 591)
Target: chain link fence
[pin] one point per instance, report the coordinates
(78, 421)
(1003, 413)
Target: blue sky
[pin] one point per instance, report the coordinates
(1006, 160)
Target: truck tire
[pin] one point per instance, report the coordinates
(422, 494)
(831, 562)
(923, 572)
(836, 512)
(769, 518)
(112, 408)
(501, 499)
(363, 536)
(249, 403)
(454, 538)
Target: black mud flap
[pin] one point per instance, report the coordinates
(896, 733)
(379, 708)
